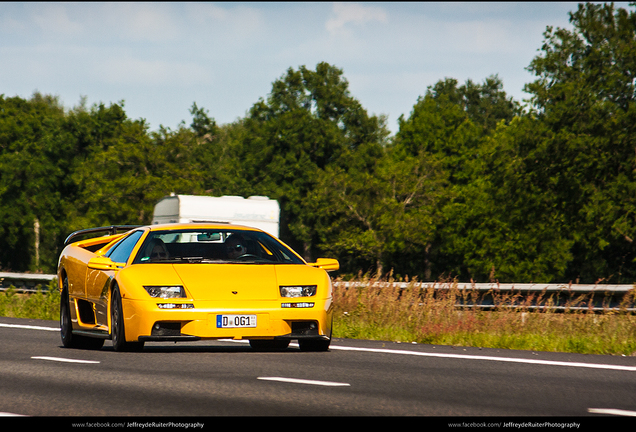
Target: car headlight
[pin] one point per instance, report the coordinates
(298, 291)
(166, 292)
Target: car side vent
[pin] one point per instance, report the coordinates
(86, 312)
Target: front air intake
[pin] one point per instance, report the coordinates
(304, 328)
(166, 329)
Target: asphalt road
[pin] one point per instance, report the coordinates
(38, 377)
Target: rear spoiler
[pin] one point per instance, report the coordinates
(111, 230)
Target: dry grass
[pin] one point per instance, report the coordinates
(382, 310)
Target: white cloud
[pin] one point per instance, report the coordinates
(346, 13)
(54, 20)
(147, 21)
(11, 25)
(491, 36)
(133, 71)
(231, 22)
(133, 22)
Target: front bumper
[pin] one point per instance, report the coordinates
(144, 321)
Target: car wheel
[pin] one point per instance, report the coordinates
(69, 340)
(65, 318)
(117, 330)
(268, 344)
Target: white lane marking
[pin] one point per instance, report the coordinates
(439, 355)
(4, 414)
(30, 327)
(60, 359)
(491, 358)
(302, 381)
(612, 411)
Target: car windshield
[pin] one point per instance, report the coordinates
(214, 246)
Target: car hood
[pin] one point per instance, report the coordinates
(229, 281)
(223, 281)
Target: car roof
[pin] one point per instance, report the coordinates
(200, 225)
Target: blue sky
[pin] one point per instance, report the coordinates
(159, 58)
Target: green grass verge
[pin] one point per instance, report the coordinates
(616, 338)
(41, 305)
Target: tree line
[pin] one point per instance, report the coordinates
(474, 185)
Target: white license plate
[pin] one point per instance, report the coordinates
(235, 321)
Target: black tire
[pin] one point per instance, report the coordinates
(69, 340)
(117, 330)
(268, 345)
(314, 345)
(66, 332)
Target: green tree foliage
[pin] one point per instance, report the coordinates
(448, 122)
(36, 152)
(202, 125)
(500, 225)
(374, 216)
(64, 171)
(309, 123)
(138, 167)
(584, 95)
(450, 125)
(135, 170)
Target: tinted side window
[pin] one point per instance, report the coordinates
(122, 251)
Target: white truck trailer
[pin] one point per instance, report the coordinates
(256, 211)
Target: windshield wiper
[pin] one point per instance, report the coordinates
(189, 259)
(203, 260)
(198, 259)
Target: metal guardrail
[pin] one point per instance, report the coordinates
(585, 288)
(557, 297)
(25, 282)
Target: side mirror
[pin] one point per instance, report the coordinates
(327, 264)
(102, 263)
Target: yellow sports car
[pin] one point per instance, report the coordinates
(185, 282)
